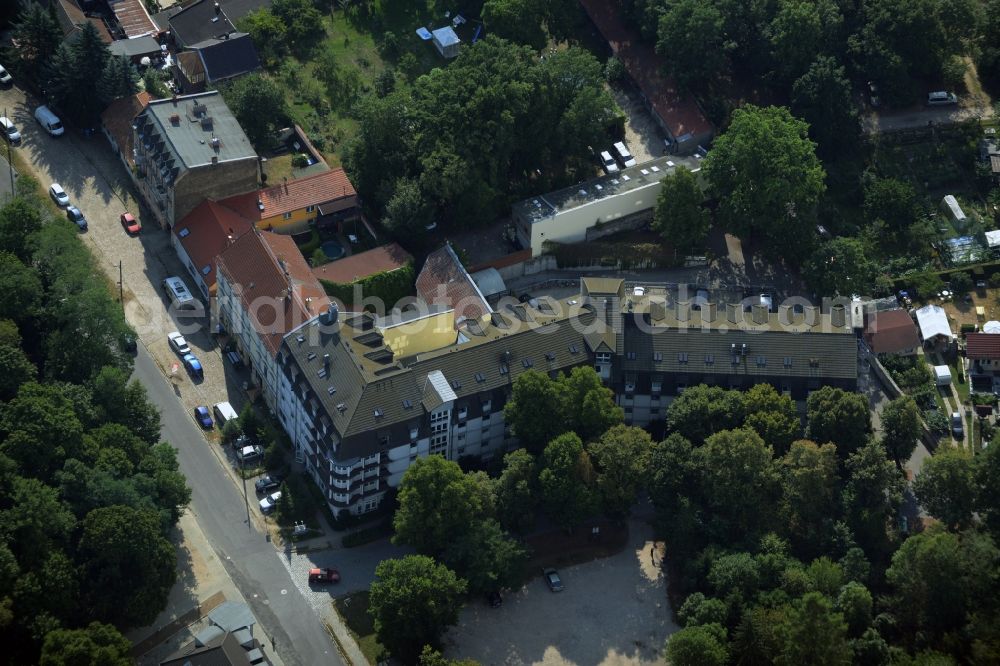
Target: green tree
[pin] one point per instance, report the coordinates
(15, 369)
(702, 410)
(20, 218)
(809, 481)
(37, 521)
(303, 23)
(438, 504)
(679, 215)
(118, 79)
(826, 575)
(672, 482)
(588, 404)
(823, 97)
(799, 32)
(900, 428)
(736, 574)
(534, 399)
(412, 601)
(407, 212)
(737, 475)
(815, 634)
(565, 479)
(757, 639)
(840, 267)
(945, 487)
(432, 657)
(268, 34)
(516, 491)
(690, 39)
(486, 557)
(22, 291)
(259, 105)
(891, 204)
(620, 457)
(517, 20)
(38, 35)
(871, 496)
(94, 644)
(773, 416)
(764, 171)
(987, 487)
(40, 430)
(700, 645)
(75, 69)
(855, 603)
(838, 416)
(128, 566)
(698, 609)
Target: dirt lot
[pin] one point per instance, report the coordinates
(613, 612)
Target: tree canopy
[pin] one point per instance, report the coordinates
(679, 215)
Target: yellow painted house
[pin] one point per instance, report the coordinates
(327, 198)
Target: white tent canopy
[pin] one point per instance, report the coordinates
(993, 238)
(933, 322)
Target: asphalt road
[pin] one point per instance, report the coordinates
(253, 564)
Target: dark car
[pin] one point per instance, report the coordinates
(193, 367)
(203, 417)
(76, 217)
(494, 599)
(324, 576)
(553, 580)
(267, 483)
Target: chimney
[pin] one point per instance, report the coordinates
(173, 99)
(215, 159)
(657, 310)
(285, 180)
(709, 311)
(683, 310)
(785, 315)
(732, 312)
(326, 362)
(838, 316)
(759, 314)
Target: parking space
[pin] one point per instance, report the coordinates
(642, 135)
(612, 612)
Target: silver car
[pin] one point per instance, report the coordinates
(58, 195)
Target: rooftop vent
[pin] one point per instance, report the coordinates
(198, 110)
(341, 407)
(216, 144)
(175, 119)
(206, 124)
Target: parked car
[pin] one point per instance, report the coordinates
(178, 343)
(58, 195)
(76, 217)
(203, 417)
(494, 600)
(941, 98)
(268, 503)
(130, 224)
(266, 483)
(957, 431)
(246, 454)
(624, 156)
(324, 576)
(234, 358)
(553, 580)
(10, 130)
(5, 77)
(610, 166)
(193, 367)
(873, 95)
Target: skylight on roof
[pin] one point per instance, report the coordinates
(549, 356)
(480, 378)
(311, 355)
(655, 168)
(644, 172)
(331, 390)
(183, 232)
(527, 362)
(205, 270)
(407, 404)
(378, 413)
(625, 177)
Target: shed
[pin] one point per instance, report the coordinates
(232, 616)
(942, 375)
(446, 41)
(950, 206)
(933, 323)
(489, 282)
(993, 239)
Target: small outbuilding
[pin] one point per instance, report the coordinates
(942, 375)
(949, 204)
(933, 323)
(446, 41)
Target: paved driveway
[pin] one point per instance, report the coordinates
(613, 612)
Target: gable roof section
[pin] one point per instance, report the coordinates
(139, 46)
(678, 112)
(292, 195)
(891, 331)
(133, 18)
(227, 57)
(381, 259)
(276, 287)
(199, 22)
(205, 232)
(117, 120)
(444, 281)
(71, 18)
(224, 650)
(933, 321)
(982, 346)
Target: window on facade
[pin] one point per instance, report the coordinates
(287, 216)
(630, 356)
(573, 349)
(761, 361)
(682, 358)
(657, 356)
(455, 384)
(709, 359)
(480, 378)
(504, 369)
(788, 361)
(413, 433)
(310, 209)
(814, 363)
(603, 357)
(656, 385)
(527, 362)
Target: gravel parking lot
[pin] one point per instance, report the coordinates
(613, 612)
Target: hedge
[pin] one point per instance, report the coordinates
(389, 286)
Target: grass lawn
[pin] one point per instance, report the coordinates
(960, 380)
(353, 609)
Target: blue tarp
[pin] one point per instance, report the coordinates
(424, 34)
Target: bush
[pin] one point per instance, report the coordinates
(388, 286)
(614, 70)
(231, 431)
(936, 421)
(300, 161)
(961, 282)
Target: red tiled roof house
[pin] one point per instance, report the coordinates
(892, 332)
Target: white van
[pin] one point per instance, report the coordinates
(224, 413)
(941, 98)
(49, 121)
(624, 156)
(178, 292)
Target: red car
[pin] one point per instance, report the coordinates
(324, 576)
(131, 224)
